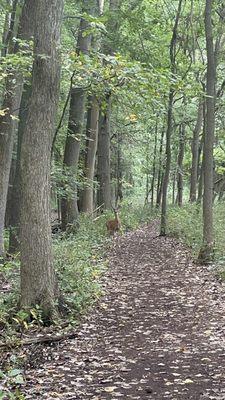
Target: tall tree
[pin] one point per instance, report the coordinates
(87, 201)
(103, 170)
(37, 273)
(15, 198)
(104, 161)
(78, 98)
(180, 183)
(206, 252)
(11, 104)
(169, 123)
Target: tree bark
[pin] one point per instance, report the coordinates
(103, 170)
(160, 171)
(37, 273)
(154, 164)
(169, 124)
(69, 207)
(119, 169)
(14, 212)
(8, 123)
(87, 203)
(180, 184)
(195, 150)
(103, 165)
(206, 252)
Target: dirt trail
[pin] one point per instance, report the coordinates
(158, 333)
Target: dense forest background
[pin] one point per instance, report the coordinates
(115, 105)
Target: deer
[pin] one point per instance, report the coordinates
(114, 225)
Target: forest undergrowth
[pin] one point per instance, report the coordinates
(80, 261)
(186, 224)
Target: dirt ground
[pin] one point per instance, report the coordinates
(157, 333)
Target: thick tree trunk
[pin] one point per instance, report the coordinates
(180, 185)
(195, 150)
(8, 123)
(37, 273)
(69, 207)
(103, 170)
(87, 202)
(206, 252)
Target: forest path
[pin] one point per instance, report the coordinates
(158, 333)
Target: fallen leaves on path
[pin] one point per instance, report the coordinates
(158, 333)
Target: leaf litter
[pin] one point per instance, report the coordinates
(157, 333)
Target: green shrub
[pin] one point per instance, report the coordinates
(186, 224)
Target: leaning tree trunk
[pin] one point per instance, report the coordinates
(78, 97)
(195, 150)
(206, 252)
(169, 125)
(87, 201)
(37, 273)
(8, 123)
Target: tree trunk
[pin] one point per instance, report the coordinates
(103, 165)
(9, 44)
(8, 123)
(37, 273)
(91, 148)
(200, 184)
(69, 207)
(5, 34)
(160, 171)
(169, 125)
(206, 252)
(14, 212)
(195, 150)
(103, 171)
(119, 170)
(180, 185)
(168, 163)
(154, 164)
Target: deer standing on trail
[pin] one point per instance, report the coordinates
(114, 225)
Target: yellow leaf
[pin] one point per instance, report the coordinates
(110, 389)
(188, 380)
